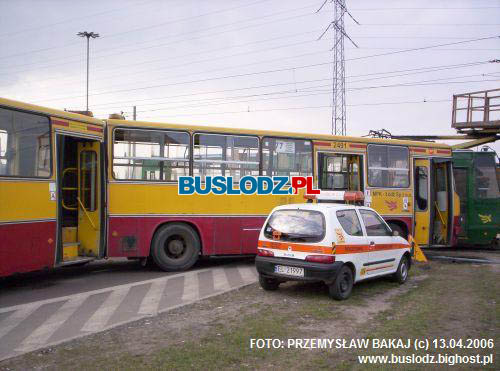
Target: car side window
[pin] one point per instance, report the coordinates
(374, 224)
(349, 221)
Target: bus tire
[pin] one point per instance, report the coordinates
(401, 274)
(341, 288)
(268, 284)
(175, 247)
(397, 227)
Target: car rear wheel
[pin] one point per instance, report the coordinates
(341, 288)
(268, 284)
(175, 247)
(401, 274)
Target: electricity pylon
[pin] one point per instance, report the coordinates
(338, 89)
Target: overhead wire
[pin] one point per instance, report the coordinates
(269, 71)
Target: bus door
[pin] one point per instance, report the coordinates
(81, 199)
(462, 179)
(441, 201)
(89, 200)
(422, 209)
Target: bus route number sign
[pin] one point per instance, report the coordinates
(285, 147)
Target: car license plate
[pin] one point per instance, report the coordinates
(289, 271)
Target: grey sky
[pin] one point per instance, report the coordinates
(177, 60)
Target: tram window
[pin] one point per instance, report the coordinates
(288, 157)
(24, 144)
(486, 182)
(388, 166)
(226, 155)
(150, 154)
(422, 185)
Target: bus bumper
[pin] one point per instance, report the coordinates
(312, 271)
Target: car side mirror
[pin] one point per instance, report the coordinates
(395, 233)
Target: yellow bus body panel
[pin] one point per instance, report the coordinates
(142, 199)
(26, 200)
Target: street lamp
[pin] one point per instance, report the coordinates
(88, 35)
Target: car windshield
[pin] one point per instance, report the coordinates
(296, 225)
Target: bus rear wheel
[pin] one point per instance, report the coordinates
(175, 247)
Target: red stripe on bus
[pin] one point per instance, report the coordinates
(445, 151)
(59, 122)
(323, 143)
(422, 150)
(92, 128)
(357, 145)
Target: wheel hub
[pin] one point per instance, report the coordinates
(404, 271)
(175, 247)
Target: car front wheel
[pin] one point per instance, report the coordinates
(401, 274)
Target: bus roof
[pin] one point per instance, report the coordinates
(50, 111)
(219, 129)
(216, 129)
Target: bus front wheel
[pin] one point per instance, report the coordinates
(175, 247)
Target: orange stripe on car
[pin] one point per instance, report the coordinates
(336, 249)
(381, 267)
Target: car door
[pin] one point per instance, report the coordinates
(354, 239)
(381, 258)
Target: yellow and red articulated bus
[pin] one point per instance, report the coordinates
(74, 188)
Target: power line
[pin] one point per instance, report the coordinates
(409, 72)
(181, 65)
(425, 8)
(200, 80)
(432, 24)
(322, 92)
(315, 93)
(269, 71)
(425, 47)
(204, 35)
(146, 27)
(302, 108)
(70, 20)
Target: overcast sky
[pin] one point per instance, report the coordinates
(251, 63)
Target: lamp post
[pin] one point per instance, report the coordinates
(88, 35)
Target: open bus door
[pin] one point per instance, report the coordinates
(88, 200)
(434, 199)
(81, 195)
(422, 209)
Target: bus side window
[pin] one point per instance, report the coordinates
(225, 155)
(24, 144)
(422, 181)
(388, 166)
(286, 157)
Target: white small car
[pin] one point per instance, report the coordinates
(334, 243)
